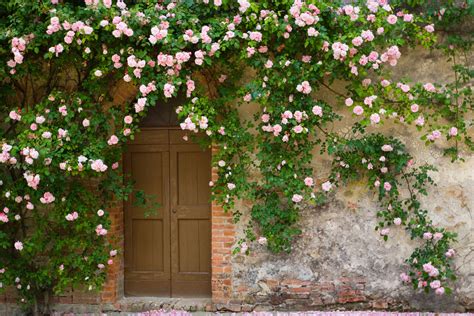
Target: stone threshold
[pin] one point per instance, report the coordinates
(143, 304)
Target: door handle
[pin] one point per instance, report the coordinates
(174, 210)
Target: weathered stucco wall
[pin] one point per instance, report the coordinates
(340, 258)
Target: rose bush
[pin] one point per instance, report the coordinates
(63, 133)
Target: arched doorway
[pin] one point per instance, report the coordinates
(168, 253)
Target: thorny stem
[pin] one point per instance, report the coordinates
(456, 97)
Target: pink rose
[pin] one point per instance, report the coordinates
(317, 110)
(358, 110)
(277, 129)
(308, 181)
(437, 236)
(298, 129)
(18, 245)
(128, 119)
(429, 28)
(427, 235)
(47, 198)
(435, 284)
(298, 116)
(385, 231)
(387, 148)
(113, 140)
(262, 240)
(385, 83)
(450, 253)
(312, 32)
(297, 198)
(392, 19)
(429, 87)
(357, 41)
(453, 131)
(440, 291)
(405, 278)
(375, 118)
(326, 186)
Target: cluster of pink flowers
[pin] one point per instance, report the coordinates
(436, 236)
(373, 5)
(54, 26)
(339, 50)
(351, 11)
(304, 87)
(18, 50)
(147, 89)
(140, 105)
(392, 55)
(135, 63)
(47, 198)
(113, 140)
(98, 165)
(72, 216)
(5, 156)
(255, 36)
(159, 32)
(307, 18)
(121, 28)
(243, 5)
(32, 180)
(168, 90)
(188, 124)
(30, 154)
(434, 135)
(100, 230)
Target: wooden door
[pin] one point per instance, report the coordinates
(168, 254)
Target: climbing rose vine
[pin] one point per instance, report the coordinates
(64, 61)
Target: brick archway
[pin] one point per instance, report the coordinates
(222, 237)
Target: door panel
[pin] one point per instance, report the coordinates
(194, 237)
(190, 221)
(168, 253)
(147, 236)
(147, 245)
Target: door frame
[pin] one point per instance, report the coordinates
(222, 241)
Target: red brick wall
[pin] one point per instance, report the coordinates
(223, 238)
(113, 288)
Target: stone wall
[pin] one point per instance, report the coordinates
(340, 261)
